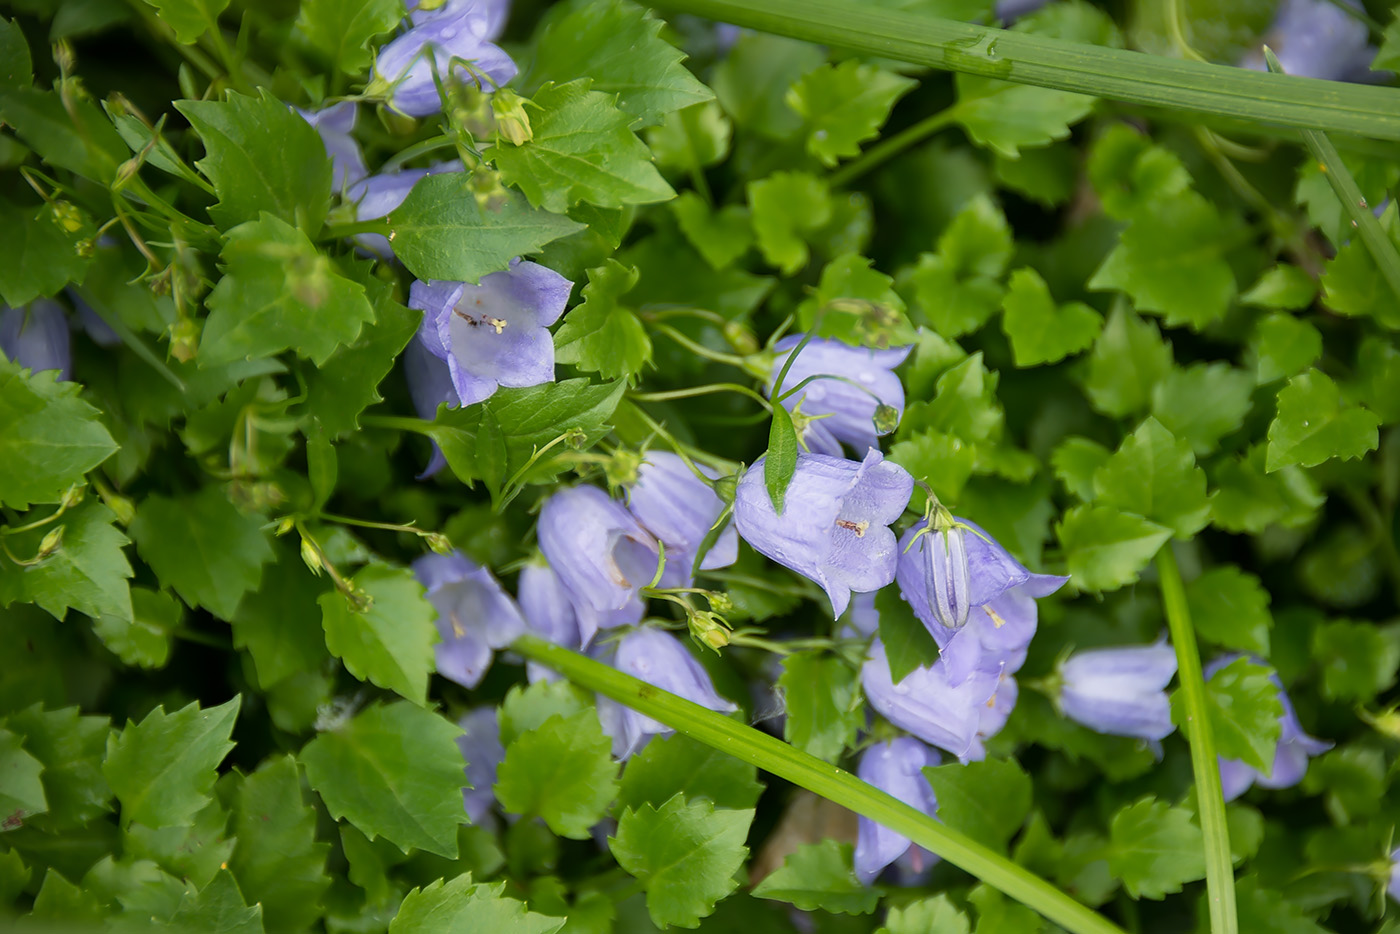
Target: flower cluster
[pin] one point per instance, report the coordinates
(446, 43)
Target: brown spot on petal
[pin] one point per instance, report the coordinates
(856, 527)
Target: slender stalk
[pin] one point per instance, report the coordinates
(888, 148)
(775, 756)
(1210, 800)
(700, 391)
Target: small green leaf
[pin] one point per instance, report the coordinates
(908, 644)
(965, 405)
(190, 18)
(340, 30)
(1244, 710)
(1284, 345)
(394, 771)
(1155, 849)
(1231, 608)
(218, 908)
(1008, 117)
(844, 105)
(988, 800)
(1047, 175)
(194, 852)
(162, 769)
(461, 905)
(958, 288)
(752, 81)
(1129, 359)
(51, 437)
(18, 68)
(602, 336)
(1154, 474)
(677, 764)
(1354, 285)
(692, 138)
(1285, 286)
(1246, 499)
(145, 639)
(1076, 461)
(21, 789)
(1358, 660)
(685, 853)
(819, 877)
(926, 915)
(527, 708)
(279, 623)
(1039, 331)
(387, 635)
(856, 305)
(1130, 173)
(1378, 372)
(562, 771)
(780, 462)
(788, 208)
(1314, 425)
(1202, 403)
(70, 748)
(943, 461)
(45, 249)
(1106, 549)
(823, 705)
(720, 236)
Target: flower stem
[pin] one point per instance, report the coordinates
(1210, 800)
(706, 390)
(887, 149)
(775, 756)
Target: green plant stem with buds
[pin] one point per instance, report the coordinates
(775, 756)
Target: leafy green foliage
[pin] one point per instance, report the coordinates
(561, 771)
(1244, 710)
(819, 877)
(1008, 117)
(70, 748)
(45, 249)
(844, 105)
(190, 18)
(340, 30)
(987, 800)
(1154, 849)
(21, 790)
(1358, 660)
(928, 914)
(678, 764)
(958, 288)
(856, 305)
(1313, 424)
(1106, 549)
(1231, 608)
(601, 336)
(787, 208)
(1286, 287)
(1202, 403)
(384, 633)
(908, 644)
(1128, 361)
(692, 138)
(822, 702)
(51, 440)
(1039, 331)
(1155, 475)
(461, 905)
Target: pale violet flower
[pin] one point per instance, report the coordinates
(1120, 691)
(679, 508)
(1317, 39)
(335, 124)
(481, 747)
(864, 380)
(896, 768)
(939, 710)
(475, 616)
(36, 337)
(448, 43)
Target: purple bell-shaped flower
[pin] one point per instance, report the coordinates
(480, 743)
(928, 703)
(451, 43)
(549, 613)
(1120, 691)
(679, 508)
(896, 768)
(475, 616)
(36, 337)
(864, 381)
(1318, 39)
(335, 124)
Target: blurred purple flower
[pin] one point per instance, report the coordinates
(601, 554)
(549, 613)
(474, 615)
(928, 703)
(434, 49)
(335, 124)
(862, 615)
(849, 407)
(93, 324)
(496, 333)
(1009, 10)
(1317, 39)
(679, 509)
(658, 658)
(429, 385)
(992, 716)
(480, 743)
(375, 196)
(1290, 755)
(834, 525)
(1394, 885)
(36, 337)
(1120, 691)
(896, 768)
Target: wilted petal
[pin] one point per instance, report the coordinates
(658, 658)
(927, 703)
(1120, 691)
(679, 509)
(850, 406)
(36, 337)
(896, 768)
(480, 743)
(474, 615)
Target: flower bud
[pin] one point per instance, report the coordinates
(52, 541)
(715, 638)
(512, 121)
(740, 338)
(286, 525)
(886, 419)
(73, 496)
(124, 508)
(184, 340)
(311, 557)
(439, 543)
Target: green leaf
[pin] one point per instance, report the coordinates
(823, 704)
(1354, 285)
(1047, 175)
(279, 293)
(1378, 372)
(987, 800)
(1373, 176)
(1106, 549)
(389, 640)
(752, 81)
(582, 148)
(67, 132)
(461, 905)
(692, 138)
(561, 771)
(45, 249)
(1039, 331)
(1246, 499)
(202, 547)
(145, 638)
(194, 852)
(1131, 174)
(527, 708)
(1358, 660)
(1284, 345)
(1271, 912)
(857, 305)
(340, 30)
(819, 877)
(1155, 849)
(279, 624)
(941, 460)
(189, 18)
(844, 105)
(60, 900)
(788, 209)
(685, 853)
(218, 908)
(1354, 779)
(1285, 287)
(21, 789)
(261, 156)
(601, 336)
(998, 914)
(1154, 474)
(965, 405)
(1129, 359)
(162, 769)
(925, 915)
(530, 418)
(18, 70)
(276, 859)
(1172, 261)
(780, 461)
(1076, 461)
(394, 771)
(908, 644)
(441, 232)
(70, 747)
(1231, 608)
(1202, 403)
(720, 236)
(677, 764)
(1314, 425)
(51, 437)
(1244, 710)
(958, 288)
(1008, 117)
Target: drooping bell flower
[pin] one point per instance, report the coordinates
(864, 379)
(1120, 691)
(36, 337)
(1290, 755)
(995, 712)
(1317, 39)
(896, 768)
(450, 43)
(679, 508)
(377, 195)
(928, 703)
(475, 616)
(480, 743)
(549, 613)
(658, 658)
(429, 385)
(335, 124)
(494, 334)
(601, 554)
(861, 616)
(834, 528)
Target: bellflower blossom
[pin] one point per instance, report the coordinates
(1120, 691)
(377, 195)
(896, 768)
(849, 407)
(434, 48)
(549, 613)
(679, 509)
(1317, 39)
(834, 527)
(335, 124)
(475, 615)
(658, 658)
(601, 554)
(1393, 887)
(1290, 755)
(496, 333)
(937, 709)
(36, 337)
(429, 385)
(480, 743)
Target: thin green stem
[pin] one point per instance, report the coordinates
(396, 423)
(701, 349)
(775, 756)
(706, 390)
(887, 149)
(1210, 800)
(379, 225)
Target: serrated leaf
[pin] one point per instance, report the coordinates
(51, 439)
(162, 769)
(388, 640)
(819, 877)
(856, 305)
(194, 852)
(929, 914)
(218, 908)
(720, 236)
(602, 336)
(1378, 373)
(685, 854)
(67, 132)
(1039, 331)
(279, 623)
(1155, 849)
(561, 771)
(822, 702)
(202, 547)
(1008, 117)
(1314, 425)
(261, 156)
(1231, 608)
(1246, 499)
(987, 800)
(1129, 359)
(70, 748)
(1130, 173)
(45, 249)
(1284, 345)
(189, 18)
(277, 861)
(1076, 461)
(692, 138)
(395, 771)
(844, 105)
(1285, 286)
(965, 405)
(441, 232)
(461, 905)
(677, 764)
(787, 209)
(340, 30)
(527, 708)
(1354, 285)
(941, 460)
(1202, 403)
(18, 70)
(21, 790)
(1154, 474)
(958, 288)
(1357, 660)
(1106, 549)
(1243, 708)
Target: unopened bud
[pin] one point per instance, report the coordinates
(486, 186)
(886, 419)
(73, 496)
(576, 438)
(66, 216)
(124, 508)
(51, 542)
(63, 56)
(720, 603)
(311, 557)
(621, 468)
(439, 543)
(184, 340)
(740, 338)
(715, 638)
(285, 526)
(512, 122)
(724, 488)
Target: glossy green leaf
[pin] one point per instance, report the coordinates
(987, 800)
(1039, 331)
(561, 771)
(385, 634)
(1154, 849)
(677, 764)
(602, 336)
(1231, 608)
(819, 877)
(823, 705)
(844, 105)
(1106, 549)
(1313, 424)
(1154, 475)
(51, 440)
(190, 18)
(461, 905)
